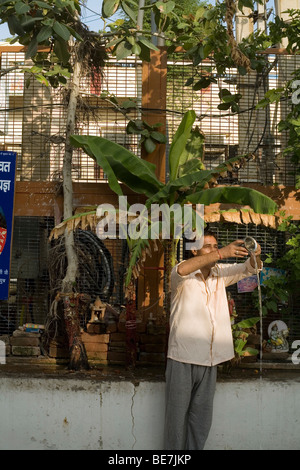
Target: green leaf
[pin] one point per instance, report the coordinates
(61, 30)
(242, 70)
(295, 122)
(134, 127)
(45, 33)
(147, 43)
(179, 142)
(194, 150)
(62, 52)
(149, 145)
(44, 5)
(260, 203)
(159, 137)
(42, 79)
(262, 104)
(239, 346)
(209, 13)
(165, 7)
(135, 252)
(224, 106)
(204, 82)
(181, 183)
(120, 164)
(248, 323)
(271, 305)
(35, 69)
(224, 92)
(129, 11)
(136, 49)
(189, 81)
(109, 7)
(31, 49)
(145, 53)
(250, 351)
(192, 165)
(114, 42)
(123, 50)
(28, 22)
(22, 8)
(75, 34)
(129, 104)
(15, 27)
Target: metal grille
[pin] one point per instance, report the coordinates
(32, 117)
(31, 291)
(272, 243)
(29, 287)
(32, 123)
(252, 131)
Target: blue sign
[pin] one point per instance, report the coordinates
(7, 191)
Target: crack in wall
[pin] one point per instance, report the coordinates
(132, 415)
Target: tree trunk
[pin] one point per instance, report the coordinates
(70, 278)
(131, 345)
(78, 358)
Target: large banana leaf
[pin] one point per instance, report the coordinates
(235, 195)
(187, 179)
(192, 156)
(193, 181)
(120, 164)
(178, 154)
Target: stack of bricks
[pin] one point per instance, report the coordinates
(150, 344)
(96, 342)
(117, 348)
(152, 349)
(153, 344)
(24, 343)
(105, 343)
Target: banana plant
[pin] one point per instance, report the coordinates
(189, 181)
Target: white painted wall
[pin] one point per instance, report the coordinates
(66, 414)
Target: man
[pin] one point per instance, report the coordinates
(200, 338)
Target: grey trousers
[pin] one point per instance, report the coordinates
(190, 393)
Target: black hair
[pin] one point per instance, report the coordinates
(209, 233)
(206, 233)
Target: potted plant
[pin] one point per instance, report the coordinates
(244, 335)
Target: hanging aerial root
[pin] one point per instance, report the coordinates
(236, 54)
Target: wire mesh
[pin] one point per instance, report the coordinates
(33, 117)
(29, 281)
(32, 123)
(251, 131)
(273, 244)
(102, 266)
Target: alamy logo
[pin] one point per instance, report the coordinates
(2, 353)
(158, 221)
(296, 93)
(296, 354)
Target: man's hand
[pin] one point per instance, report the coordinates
(234, 250)
(237, 250)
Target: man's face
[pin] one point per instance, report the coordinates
(209, 244)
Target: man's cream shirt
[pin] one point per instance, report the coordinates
(200, 328)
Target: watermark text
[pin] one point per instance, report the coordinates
(159, 221)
